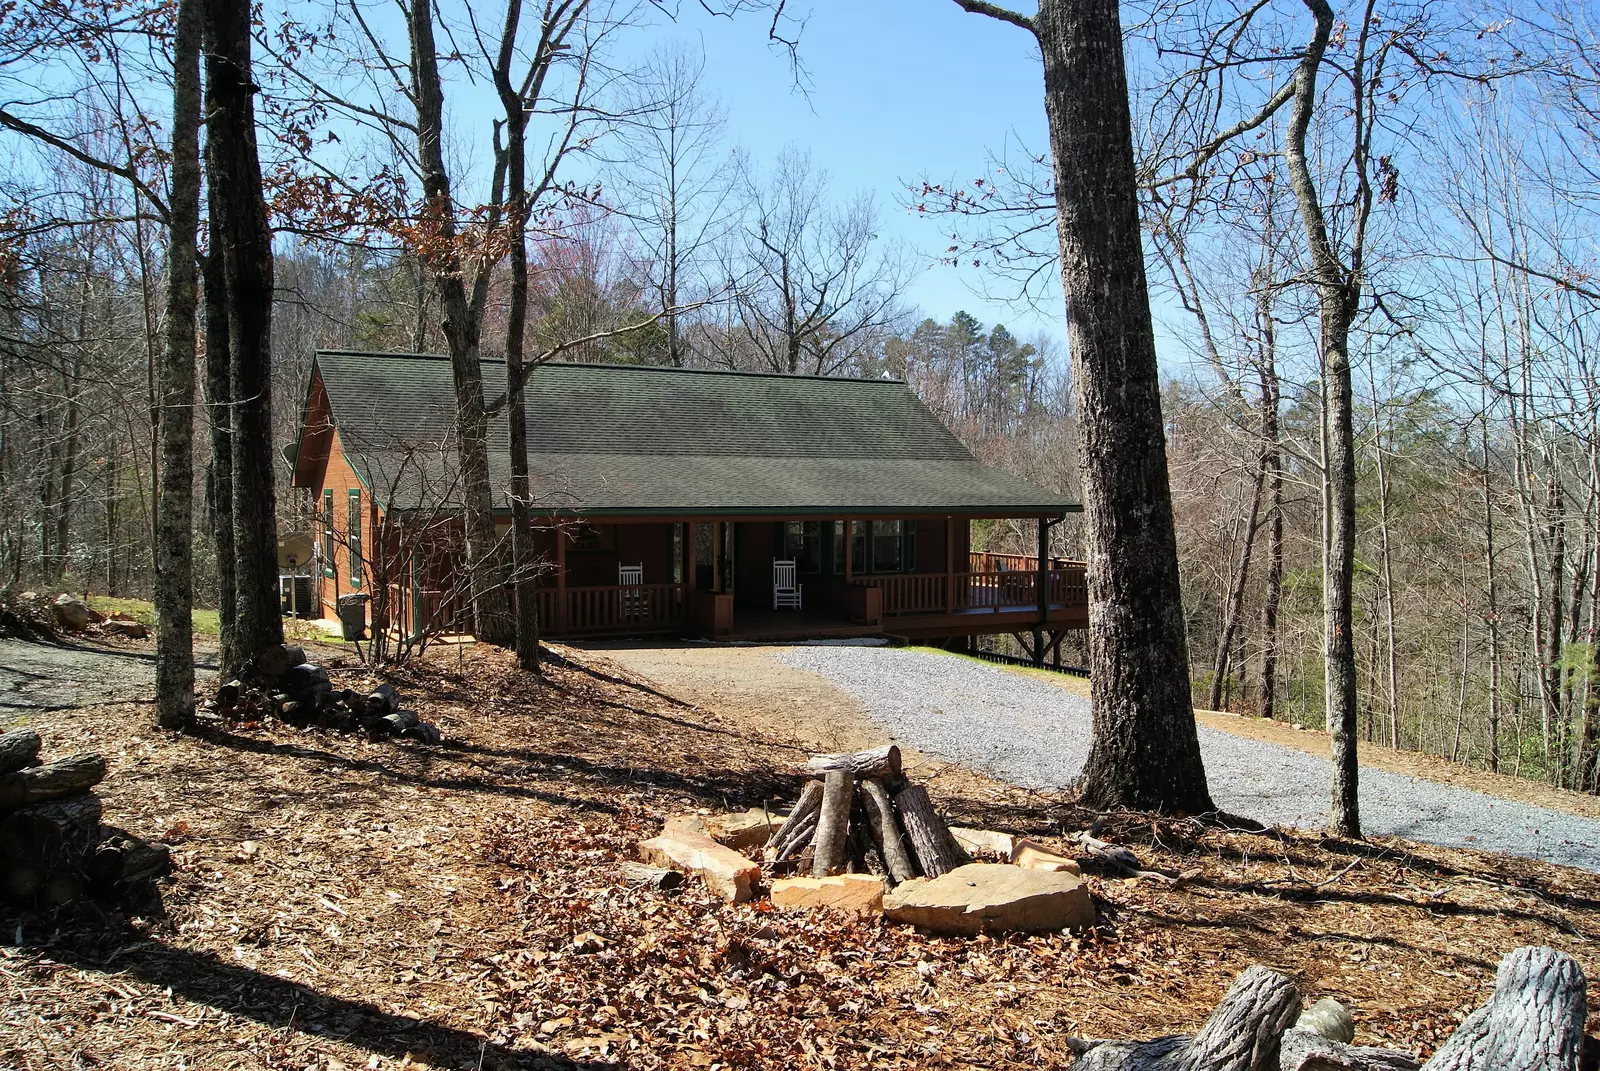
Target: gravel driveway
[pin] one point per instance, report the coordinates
(37, 677)
(1034, 733)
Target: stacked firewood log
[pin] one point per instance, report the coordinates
(53, 847)
(281, 683)
(859, 814)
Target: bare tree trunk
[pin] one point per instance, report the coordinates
(219, 407)
(1274, 578)
(246, 247)
(522, 554)
(1556, 531)
(1230, 621)
(1337, 292)
(1145, 752)
(1492, 610)
(174, 587)
(1391, 672)
(462, 324)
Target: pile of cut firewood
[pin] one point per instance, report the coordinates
(858, 814)
(53, 847)
(281, 683)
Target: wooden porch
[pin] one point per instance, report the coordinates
(724, 598)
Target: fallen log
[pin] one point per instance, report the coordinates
(51, 833)
(886, 833)
(1242, 1034)
(936, 850)
(53, 780)
(18, 748)
(126, 860)
(654, 877)
(877, 762)
(1533, 1022)
(382, 700)
(810, 800)
(1306, 1050)
(833, 824)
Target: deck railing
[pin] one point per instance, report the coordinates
(994, 590)
(983, 561)
(621, 608)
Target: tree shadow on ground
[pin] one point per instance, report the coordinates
(204, 978)
(493, 785)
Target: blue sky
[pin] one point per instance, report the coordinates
(898, 90)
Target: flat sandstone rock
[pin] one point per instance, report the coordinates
(991, 897)
(851, 894)
(974, 841)
(724, 870)
(744, 831)
(1035, 856)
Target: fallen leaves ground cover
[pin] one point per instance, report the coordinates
(339, 903)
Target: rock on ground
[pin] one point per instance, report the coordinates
(991, 898)
(851, 894)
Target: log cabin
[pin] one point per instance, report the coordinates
(674, 501)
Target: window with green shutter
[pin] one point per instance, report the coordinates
(355, 538)
(327, 533)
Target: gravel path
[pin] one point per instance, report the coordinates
(39, 677)
(1034, 733)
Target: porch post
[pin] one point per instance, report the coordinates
(1044, 591)
(688, 554)
(716, 556)
(561, 580)
(949, 565)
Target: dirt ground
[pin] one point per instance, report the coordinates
(345, 904)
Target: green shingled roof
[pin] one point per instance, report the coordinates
(626, 439)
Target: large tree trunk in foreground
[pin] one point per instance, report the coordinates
(1241, 1035)
(246, 247)
(219, 408)
(523, 576)
(1534, 1021)
(174, 549)
(1145, 753)
(462, 326)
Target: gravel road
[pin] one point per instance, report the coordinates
(37, 677)
(1034, 733)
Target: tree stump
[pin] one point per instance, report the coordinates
(1306, 1050)
(1534, 1021)
(833, 824)
(1241, 1035)
(18, 748)
(937, 851)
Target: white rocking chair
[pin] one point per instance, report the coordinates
(785, 592)
(632, 602)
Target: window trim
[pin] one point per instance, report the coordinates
(330, 566)
(353, 533)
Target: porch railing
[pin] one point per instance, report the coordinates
(625, 607)
(993, 590)
(983, 561)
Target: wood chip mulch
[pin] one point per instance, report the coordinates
(344, 904)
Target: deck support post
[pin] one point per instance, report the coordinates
(561, 579)
(1044, 583)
